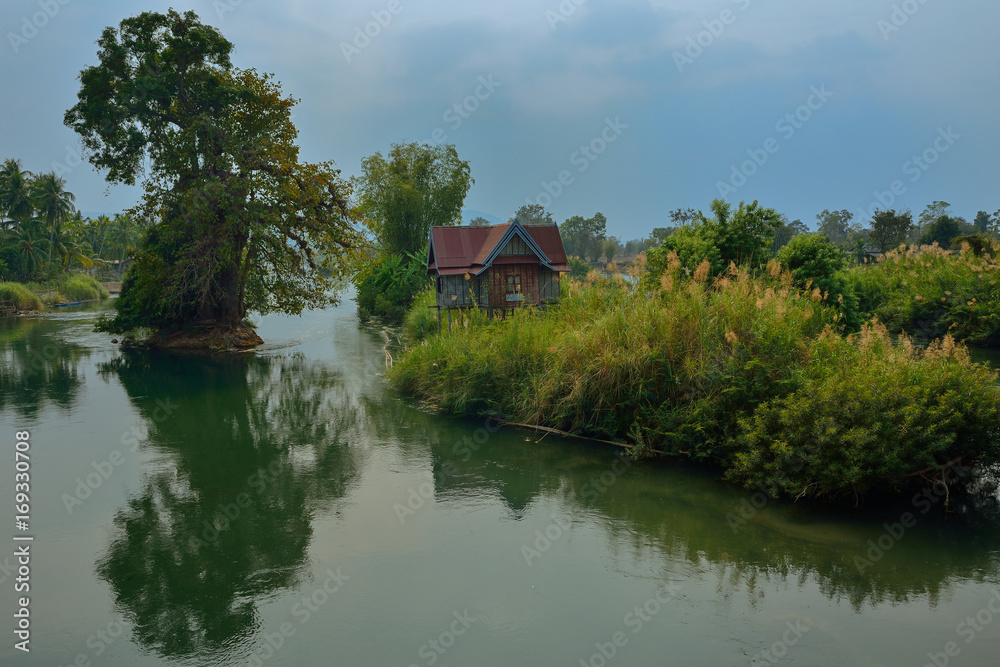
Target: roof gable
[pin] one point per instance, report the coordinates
(453, 250)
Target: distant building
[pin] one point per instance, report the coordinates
(497, 267)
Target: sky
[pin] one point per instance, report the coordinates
(632, 108)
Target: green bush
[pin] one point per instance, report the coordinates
(578, 269)
(421, 320)
(22, 297)
(79, 287)
(387, 285)
(817, 264)
(929, 292)
(871, 415)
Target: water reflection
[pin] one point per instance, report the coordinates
(696, 524)
(249, 448)
(38, 365)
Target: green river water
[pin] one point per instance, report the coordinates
(287, 507)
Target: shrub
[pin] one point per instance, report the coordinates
(20, 296)
(816, 263)
(872, 415)
(421, 320)
(388, 285)
(578, 268)
(929, 292)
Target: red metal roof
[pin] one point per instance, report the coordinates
(457, 250)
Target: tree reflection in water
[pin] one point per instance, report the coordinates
(253, 446)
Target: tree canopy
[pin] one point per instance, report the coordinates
(532, 214)
(890, 228)
(242, 224)
(413, 188)
(584, 236)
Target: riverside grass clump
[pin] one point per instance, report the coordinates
(672, 366)
(79, 287)
(707, 371)
(22, 297)
(928, 292)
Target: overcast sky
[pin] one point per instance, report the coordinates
(638, 107)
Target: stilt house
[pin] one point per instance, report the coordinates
(499, 267)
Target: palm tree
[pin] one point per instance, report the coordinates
(69, 246)
(99, 234)
(28, 241)
(53, 202)
(123, 237)
(15, 192)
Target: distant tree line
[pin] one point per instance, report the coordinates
(42, 234)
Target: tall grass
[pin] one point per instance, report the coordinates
(610, 359)
(79, 287)
(707, 371)
(22, 297)
(929, 292)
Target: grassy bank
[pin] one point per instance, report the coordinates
(70, 288)
(730, 373)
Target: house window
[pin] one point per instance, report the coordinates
(514, 288)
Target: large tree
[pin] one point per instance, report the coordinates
(413, 188)
(53, 203)
(15, 192)
(242, 224)
(584, 236)
(532, 214)
(890, 228)
(835, 225)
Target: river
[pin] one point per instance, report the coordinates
(287, 507)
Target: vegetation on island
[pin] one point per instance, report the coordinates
(239, 223)
(801, 375)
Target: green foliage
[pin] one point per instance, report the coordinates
(870, 415)
(977, 243)
(584, 236)
(681, 363)
(943, 230)
(835, 225)
(609, 248)
(889, 228)
(816, 264)
(690, 246)
(22, 297)
(744, 236)
(416, 187)
(578, 268)
(532, 214)
(928, 292)
(746, 374)
(786, 232)
(79, 287)
(241, 223)
(387, 285)
(811, 258)
(421, 320)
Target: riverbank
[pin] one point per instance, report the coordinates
(21, 299)
(748, 373)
